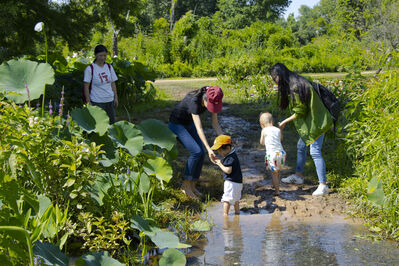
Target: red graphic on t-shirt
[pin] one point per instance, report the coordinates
(103, 76)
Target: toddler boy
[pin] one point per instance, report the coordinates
(230, 166)
(275, 154)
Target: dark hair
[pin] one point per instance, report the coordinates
(100, 48)
(224, 146)
(289, 83)
(200, 93)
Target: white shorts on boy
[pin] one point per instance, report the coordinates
(232, 192)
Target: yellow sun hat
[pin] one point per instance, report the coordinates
(221, 140)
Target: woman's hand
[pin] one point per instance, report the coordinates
(281, 125)
(212, 156)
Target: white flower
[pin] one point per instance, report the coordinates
(39, 26)
(74, 55)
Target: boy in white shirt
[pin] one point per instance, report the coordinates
(275, 155)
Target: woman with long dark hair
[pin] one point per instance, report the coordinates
(185, 122)
(99, 83)
(310, 117)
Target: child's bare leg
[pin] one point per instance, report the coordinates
(237, 207)
(226, 208)
(276, 182)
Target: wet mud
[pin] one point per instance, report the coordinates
(294, 228)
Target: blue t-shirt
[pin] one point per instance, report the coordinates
(231, 159)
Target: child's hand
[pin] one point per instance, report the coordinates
(217, 161)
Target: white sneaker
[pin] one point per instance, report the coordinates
(321, 190)
(292, 179)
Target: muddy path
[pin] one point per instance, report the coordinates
(295, 201)
(293, 229)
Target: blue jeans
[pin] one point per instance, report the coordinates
(188, 136)
(315, 152)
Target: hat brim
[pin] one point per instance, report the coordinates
(216, 146)
(214, 108)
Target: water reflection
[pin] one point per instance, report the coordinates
(232, 240)
(268, 239)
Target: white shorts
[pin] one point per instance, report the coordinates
(274, 160)
(232, 192)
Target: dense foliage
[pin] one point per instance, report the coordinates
(80, 184)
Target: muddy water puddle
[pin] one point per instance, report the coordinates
(293, 229)
(269, 239)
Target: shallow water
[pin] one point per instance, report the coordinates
(269, 239)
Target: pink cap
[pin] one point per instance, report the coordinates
(214, 94)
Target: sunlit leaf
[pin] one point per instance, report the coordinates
(144, 185)
(200, 226)
(160, 168)
(15, 75)
(165, 239)
(375, 191)
(155, 132)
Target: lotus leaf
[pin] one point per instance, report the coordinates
(160, 168)
(50, 254)
(16, 75)
(172, 257)
(155, 132)
(126, 135)
(91, 119)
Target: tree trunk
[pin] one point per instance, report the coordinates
(172, 13)
(115, 43)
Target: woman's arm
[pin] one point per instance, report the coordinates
(201, 134)
(113, 85)
(225, 169)
(281, 125)
(262, 138)
(86, 91)
(215, 124)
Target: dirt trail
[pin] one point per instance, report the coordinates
(295, 202)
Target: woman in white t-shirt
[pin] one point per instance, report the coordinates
(99, 83)
(275, 155)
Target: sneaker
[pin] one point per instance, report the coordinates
(292, 179)
(321, 190)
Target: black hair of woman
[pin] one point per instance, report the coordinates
(100, 48)
(288, 82)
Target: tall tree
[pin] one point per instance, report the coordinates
(242, 13)
(63, 20)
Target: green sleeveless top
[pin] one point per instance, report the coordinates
(312, 119)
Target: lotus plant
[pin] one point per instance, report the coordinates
(39, 27)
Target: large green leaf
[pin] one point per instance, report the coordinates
(160, 168)
(91, 119)
(156, 132)
(15, 75)
(145, 183)
(126, 135)
(50, 254)
(172, 257)
(375, 191)
(200, 226)
(146, 226)
(97, 259)
(165, 239)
